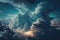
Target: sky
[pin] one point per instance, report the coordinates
(9, 8)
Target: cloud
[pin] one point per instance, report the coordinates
(6, 1)
(21, 7)
(39, 7)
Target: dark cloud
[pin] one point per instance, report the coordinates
(29, 3)
(25, 1)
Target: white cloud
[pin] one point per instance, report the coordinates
(39, 7)
(20, 7)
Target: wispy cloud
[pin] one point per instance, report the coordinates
(39, 7)
(20, 7)
(6, 1)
